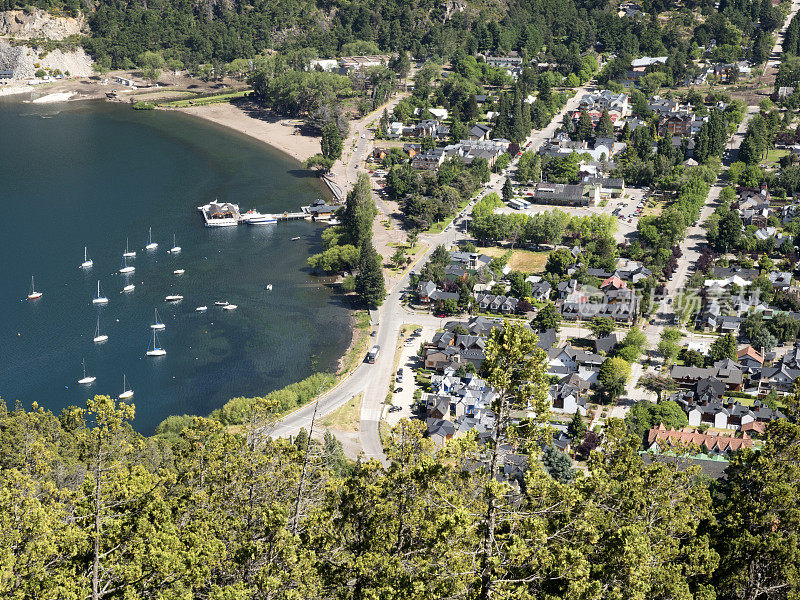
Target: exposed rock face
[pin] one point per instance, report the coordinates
(23, 61)
(39, 24)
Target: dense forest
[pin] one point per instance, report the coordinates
(91, 509)
(212, 31)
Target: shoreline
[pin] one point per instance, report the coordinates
(277, 134)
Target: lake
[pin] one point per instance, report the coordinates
(93, 174)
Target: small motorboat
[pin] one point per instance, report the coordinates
(129, 288)
(34, 294)
(201, 308)
(87, 262)
(173, 298)
(86, 379)
(179, 271)
(269, 287)
(221, 303)
(294, 239)
(229, 307)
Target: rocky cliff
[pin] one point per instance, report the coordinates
(24, 58)
(38, 24)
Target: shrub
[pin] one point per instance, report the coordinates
(237, 410)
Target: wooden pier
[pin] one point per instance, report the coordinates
(293, 216)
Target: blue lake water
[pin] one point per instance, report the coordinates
(91, 174)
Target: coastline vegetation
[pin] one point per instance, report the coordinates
(203, 100)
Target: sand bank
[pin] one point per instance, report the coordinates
(57, 97)
(279, 134)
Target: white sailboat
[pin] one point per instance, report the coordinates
(87, 262)
(34, 294)
(99, 338)
(175, 248)
(151, 245)
(155, 350)
(126, 393)
(126, 268)
(158, 324)
(99, 299)
(86, 379)
(128, 253)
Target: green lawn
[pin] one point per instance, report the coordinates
(203, 100)
(773, 156)
(526, 261)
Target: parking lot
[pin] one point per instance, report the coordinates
(625, 209)
(403, 396)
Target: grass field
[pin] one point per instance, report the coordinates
(773, 156)
(521, 260)
(203, 100)
(345, 418)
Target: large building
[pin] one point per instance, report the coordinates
(565, 195)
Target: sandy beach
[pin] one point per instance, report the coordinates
(279, 134)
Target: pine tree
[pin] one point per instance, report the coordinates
(584, 129)
(359, 212)
(369, 281)
(527, 125)
(702, 143)
(383, 127)
(457, 131)
(508, 190)
(331, 142)
(605, 128)
(576, 429)
(518, 133)
(502, 128)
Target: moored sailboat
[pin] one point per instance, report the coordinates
(151, 245)
(98, 299)
(158, 324)
(86, 379)
(154, 349)
(128, 253)
(87, 262)
(99, 338)
(126, 393)
(34, 294)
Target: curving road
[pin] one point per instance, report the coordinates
(372, 380)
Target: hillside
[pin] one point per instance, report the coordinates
(34, 41)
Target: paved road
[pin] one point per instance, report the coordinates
(773, 63)
(372, 380)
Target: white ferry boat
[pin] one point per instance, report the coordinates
(220, 214)
(252, 217)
